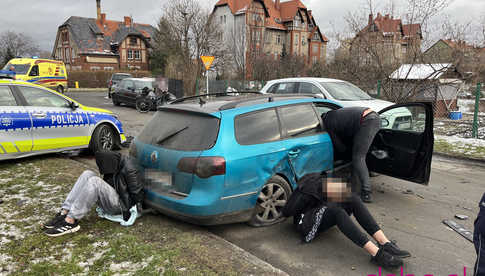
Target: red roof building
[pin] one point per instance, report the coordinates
(267, 27)
(388, 37)
(102, 44)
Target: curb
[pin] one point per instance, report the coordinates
(475, 161)
(74, 90)
(268, 268)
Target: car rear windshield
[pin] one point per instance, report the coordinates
(20, 69)
(180, 130)
(345, 91)
(120, 77)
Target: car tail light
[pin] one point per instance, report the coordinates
(203, 167)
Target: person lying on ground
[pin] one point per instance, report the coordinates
(117, 195)
(479, 239)
(320, 203)
(354, 128)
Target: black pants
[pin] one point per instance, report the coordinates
(479, 269)
(363, 139)
(340, 216)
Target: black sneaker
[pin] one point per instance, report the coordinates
(366, 197)
(56, 219)
(63, 227)
(393, 249)
(386, 260)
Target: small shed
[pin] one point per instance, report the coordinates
(439, 83)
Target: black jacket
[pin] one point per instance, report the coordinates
(120, 172)
(342, 124)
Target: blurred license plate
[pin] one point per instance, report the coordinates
(155, 177)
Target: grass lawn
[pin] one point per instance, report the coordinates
(33, 190)
(460, 147)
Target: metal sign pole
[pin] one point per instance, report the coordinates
(207, 74)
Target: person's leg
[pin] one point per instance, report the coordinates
(94, 190)
(479, 269)
(76, 190)
(361, 144)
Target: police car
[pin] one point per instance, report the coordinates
(36, 120)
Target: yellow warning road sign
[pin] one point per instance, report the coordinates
(207, 60)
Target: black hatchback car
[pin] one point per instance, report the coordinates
(130, 89)
(115, 79)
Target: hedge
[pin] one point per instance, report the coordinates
(98, 79)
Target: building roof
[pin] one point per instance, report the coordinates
(84, 32)
(275, 17)
(420, 71)
(388, 25)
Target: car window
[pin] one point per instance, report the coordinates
(308, 88)
(20, 69)
(257, 127)
(139, 85)
(412, 119)
(323, 108)
(34, 71)
(345, 91)
(181, 131)
(299, 120)
(39, 97)
(286, 88)
(6, 97)
(120, 77)
(272, 89)
(125, 84)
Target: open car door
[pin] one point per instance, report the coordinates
(403, 148)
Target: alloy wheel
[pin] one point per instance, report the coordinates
(271, 201)
(106, 138)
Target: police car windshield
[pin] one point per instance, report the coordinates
(20, 69)
(142, 84)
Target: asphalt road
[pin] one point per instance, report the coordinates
(409, 213)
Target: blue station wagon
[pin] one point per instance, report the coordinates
(237, 159)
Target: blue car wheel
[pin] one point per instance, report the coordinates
(271, 200)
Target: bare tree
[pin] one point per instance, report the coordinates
(185, 32)
(14, 44)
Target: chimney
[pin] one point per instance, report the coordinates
(103, 18)
(277, 5)
(128, 21)
(98, 9)
(371, 18)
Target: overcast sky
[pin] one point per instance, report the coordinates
(41, 18)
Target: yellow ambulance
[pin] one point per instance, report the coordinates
(48, 73)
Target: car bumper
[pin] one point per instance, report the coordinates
(225, 218)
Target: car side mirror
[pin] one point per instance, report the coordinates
(73, 105)
(384, 123)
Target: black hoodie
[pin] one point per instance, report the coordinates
(119, 172)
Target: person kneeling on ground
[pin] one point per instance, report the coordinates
(117, 195)
(319, 203)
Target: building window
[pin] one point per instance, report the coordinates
(137, 54)
(224, 19)
(278, 39)
(322, 51)
(296, 39)
(315, 60)
(108, 68)
(133, 41)
(95, 68)
(65, 37)
(130, 54)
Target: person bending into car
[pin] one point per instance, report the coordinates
(354, 128)
(117, 195)
(479, 239)
(320, 203)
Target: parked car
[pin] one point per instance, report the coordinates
(115, 79)
(238, 160)
(36, 120)
(45, 72)
(130, 89)
(342, 92)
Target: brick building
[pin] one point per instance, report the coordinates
(388, 38)
(101, 44)
(267, 27)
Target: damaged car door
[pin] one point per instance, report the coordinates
(403, 147)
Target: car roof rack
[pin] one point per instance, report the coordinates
(270, 98)
(212, 94)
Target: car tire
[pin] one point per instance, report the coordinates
(115, 101)
(60, 89)
(271, 200)
(103, 139)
